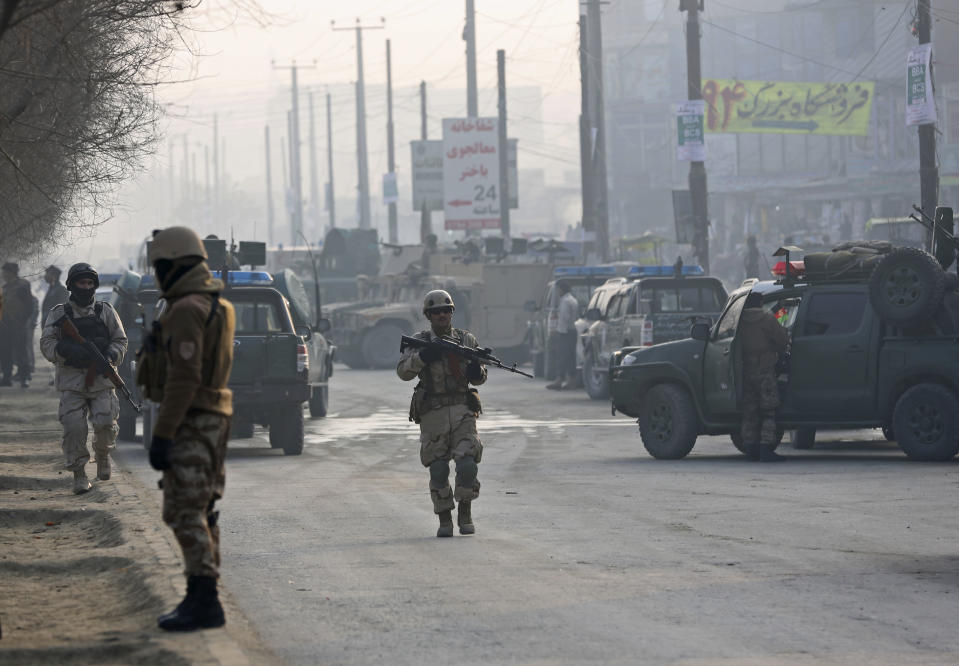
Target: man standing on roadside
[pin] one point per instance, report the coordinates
(763, 339)
(18, 307)
(184, 365)
(56, 293)
(565, 338)
(84, 393)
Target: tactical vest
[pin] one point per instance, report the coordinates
(92, 326)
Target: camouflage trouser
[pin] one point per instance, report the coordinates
(76, 407)
(192, 485)
(450, 433)
(760, 400)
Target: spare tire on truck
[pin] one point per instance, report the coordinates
(906, 286)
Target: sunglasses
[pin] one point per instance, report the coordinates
(444, 310)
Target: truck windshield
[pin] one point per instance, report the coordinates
(683, 298)
(256, 317)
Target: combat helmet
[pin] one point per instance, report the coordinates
(438, 298)
(82, 270)
(176, 243)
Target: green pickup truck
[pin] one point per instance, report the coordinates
(875, 346)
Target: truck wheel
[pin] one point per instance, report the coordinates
(539, 363)
(888, 433)
(926, 422)
(906, 286)
(668, 423)
(737, 439)
(381, 346)
(803, 438)
(127, 423)
(595, 379)
(286, 429)
(319, 401)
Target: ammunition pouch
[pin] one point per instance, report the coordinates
(417, 403)
(424, 402)
(152, 366)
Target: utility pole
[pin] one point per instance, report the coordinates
(269, 187)
(585, 139)
(697, 170)
(598, 127)
(296, 170)
(215, 212)
(928, 171)
(394, 232)
(330, 198)
(426, 222)
(283, 165)
(289, 192)
(503, 148)
(206, 191)
(363, 172)
(469, 35)
(314, 177)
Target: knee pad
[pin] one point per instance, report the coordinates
(466, 470)
(439, 473)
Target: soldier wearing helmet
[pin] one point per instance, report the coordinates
(84, 394)
(184, 366)
(446, 408)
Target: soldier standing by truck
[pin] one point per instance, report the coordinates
(184, 365)
(445, 407)
(85, 394)
(763, 339)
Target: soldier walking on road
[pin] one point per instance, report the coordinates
(446, 408)
(762, 339)
(184, 365)
(85, 394)
(18, 308)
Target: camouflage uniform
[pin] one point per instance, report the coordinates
(447, 424)
(196, 339)
(762, 339)
(78, 400)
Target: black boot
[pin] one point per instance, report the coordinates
(446, 524)
(767, 453)
(200, 609)
(464, 519)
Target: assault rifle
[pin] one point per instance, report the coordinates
(100, 364)
(445, 345)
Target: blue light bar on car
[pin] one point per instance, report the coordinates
(571, 271)
(664, 271)
(245, 278)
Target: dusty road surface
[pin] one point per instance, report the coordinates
(83, 578)
(587, 550)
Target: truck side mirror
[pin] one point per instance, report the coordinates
(304, 332)
(699, 332)
(593, 314)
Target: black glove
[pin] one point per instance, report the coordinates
(474, 372)
(160, 453)
(75, 355)
(430, 354)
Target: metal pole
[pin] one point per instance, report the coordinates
(295, 170)
(469, 34)
(362, 165)
(598, 125)
(390, 151)
(314, 177)
(269, 187)
(585, 139)
(215, 212)
(426, 222)
(206, 191)
(291, 189)
(331, 198)
(503, 148)
(928, 171)
(697, 170)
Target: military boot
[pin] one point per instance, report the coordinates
(103, 468)
(81, 483)
(464, 519)
(767, 453)
(446, 524)
(200, 609)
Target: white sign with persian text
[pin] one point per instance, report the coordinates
(471, 173)
(920, 105)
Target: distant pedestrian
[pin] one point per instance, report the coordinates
(762, 339)
(564, 343)
(56, 292)
(18, 308)
(751, 262)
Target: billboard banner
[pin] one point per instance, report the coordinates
(471, 173)
(786, 107)
(427, 161)
(920, 105)
(691, 146)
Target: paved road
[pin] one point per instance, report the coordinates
(587, 550)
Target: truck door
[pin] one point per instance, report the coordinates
(612, 338)
(831, 373)
(633, 320)
(720, 378)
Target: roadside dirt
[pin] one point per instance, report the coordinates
(83, 578)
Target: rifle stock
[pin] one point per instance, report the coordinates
(477, 354)
(100, 364)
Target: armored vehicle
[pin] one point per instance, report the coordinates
(875, 344)
(651, 305)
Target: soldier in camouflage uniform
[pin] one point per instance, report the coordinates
(446, 409)
(85, 395)
(185, 365)
(762, 339)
